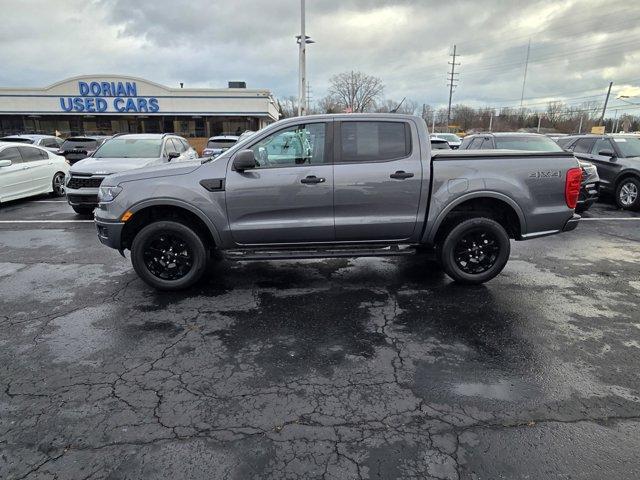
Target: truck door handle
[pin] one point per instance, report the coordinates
(312, 179)
(401, 175)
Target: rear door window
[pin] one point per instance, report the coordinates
(30, 154)
(583, 145)
(372, 141)
(12, 154)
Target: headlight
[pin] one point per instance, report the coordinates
(107, 194)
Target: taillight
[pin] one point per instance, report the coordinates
(572, 186)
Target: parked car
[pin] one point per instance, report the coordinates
(617, 158)
(48, 142)
(217, 145)
(27, 170)
(589, 191)
(119, 154)
(245, 134)
(79, 148)
(439, 144)
(453, 139)
(343, 185)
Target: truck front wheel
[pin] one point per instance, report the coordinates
(169, 255)
(474, 251)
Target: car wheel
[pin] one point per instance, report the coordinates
(628, 193)
(582, 208)
(57, 185)
(474, 251)
(82, 210)
(169, 255)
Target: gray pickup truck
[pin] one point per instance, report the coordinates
(337, 186)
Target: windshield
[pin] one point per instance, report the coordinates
(629, 146)
(440, 145)
(130, 148)
(534, 144)
(79, 144)
(223, 143)
(16, 139)
(450, 137)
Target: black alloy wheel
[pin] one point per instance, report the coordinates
(167, 256)
(474, 250)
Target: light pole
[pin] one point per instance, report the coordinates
(302, 63)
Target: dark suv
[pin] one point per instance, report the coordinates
(78, 148)
(538, 143)
(617, 158)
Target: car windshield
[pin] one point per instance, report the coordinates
(534, 144)
(16, 140)
(130, 148)
(220, 143)
(629, 146)
(440, 145)
(450, 137)
(79, 144)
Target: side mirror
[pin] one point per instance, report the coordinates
(244, 160)
(5, 163)
(172, 155)
(607, 153)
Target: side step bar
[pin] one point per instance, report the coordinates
(320, 252)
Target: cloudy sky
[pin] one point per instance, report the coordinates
(577, 46)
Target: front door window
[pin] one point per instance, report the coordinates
(298, 145)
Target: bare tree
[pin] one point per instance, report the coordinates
(288, 106)
(355, 91)
(329, 104)
(407, 107)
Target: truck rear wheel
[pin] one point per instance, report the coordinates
(169, 255)
(474, 251)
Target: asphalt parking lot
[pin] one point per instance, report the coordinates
(367, 368)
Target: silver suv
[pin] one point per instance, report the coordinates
(119, 154)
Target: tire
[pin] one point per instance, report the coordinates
(82, 210)
(57, 185)
(480, 234)
(152, 255)
(628, 193)
(582, 208)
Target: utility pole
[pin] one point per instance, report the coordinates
(524, 78)
(606, 100)
(615, 127)
(302, 67)
(452, 83)
(302, 40)
(491, 120)
(539, 122)
(308, 97)
(433, 122)
(580, 126)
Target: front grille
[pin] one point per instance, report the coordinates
(82, 199)
(84, 182)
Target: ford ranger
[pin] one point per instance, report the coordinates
(348, 185)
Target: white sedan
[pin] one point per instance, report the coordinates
(26, 170)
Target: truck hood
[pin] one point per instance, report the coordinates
(155, 171)
(107, 166)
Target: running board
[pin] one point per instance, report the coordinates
(320, 252)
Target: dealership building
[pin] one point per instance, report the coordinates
(109, 104)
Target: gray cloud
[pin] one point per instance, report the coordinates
(577, 46)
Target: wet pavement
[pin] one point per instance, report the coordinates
(363, 368)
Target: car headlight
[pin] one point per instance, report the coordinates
(107, 194)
